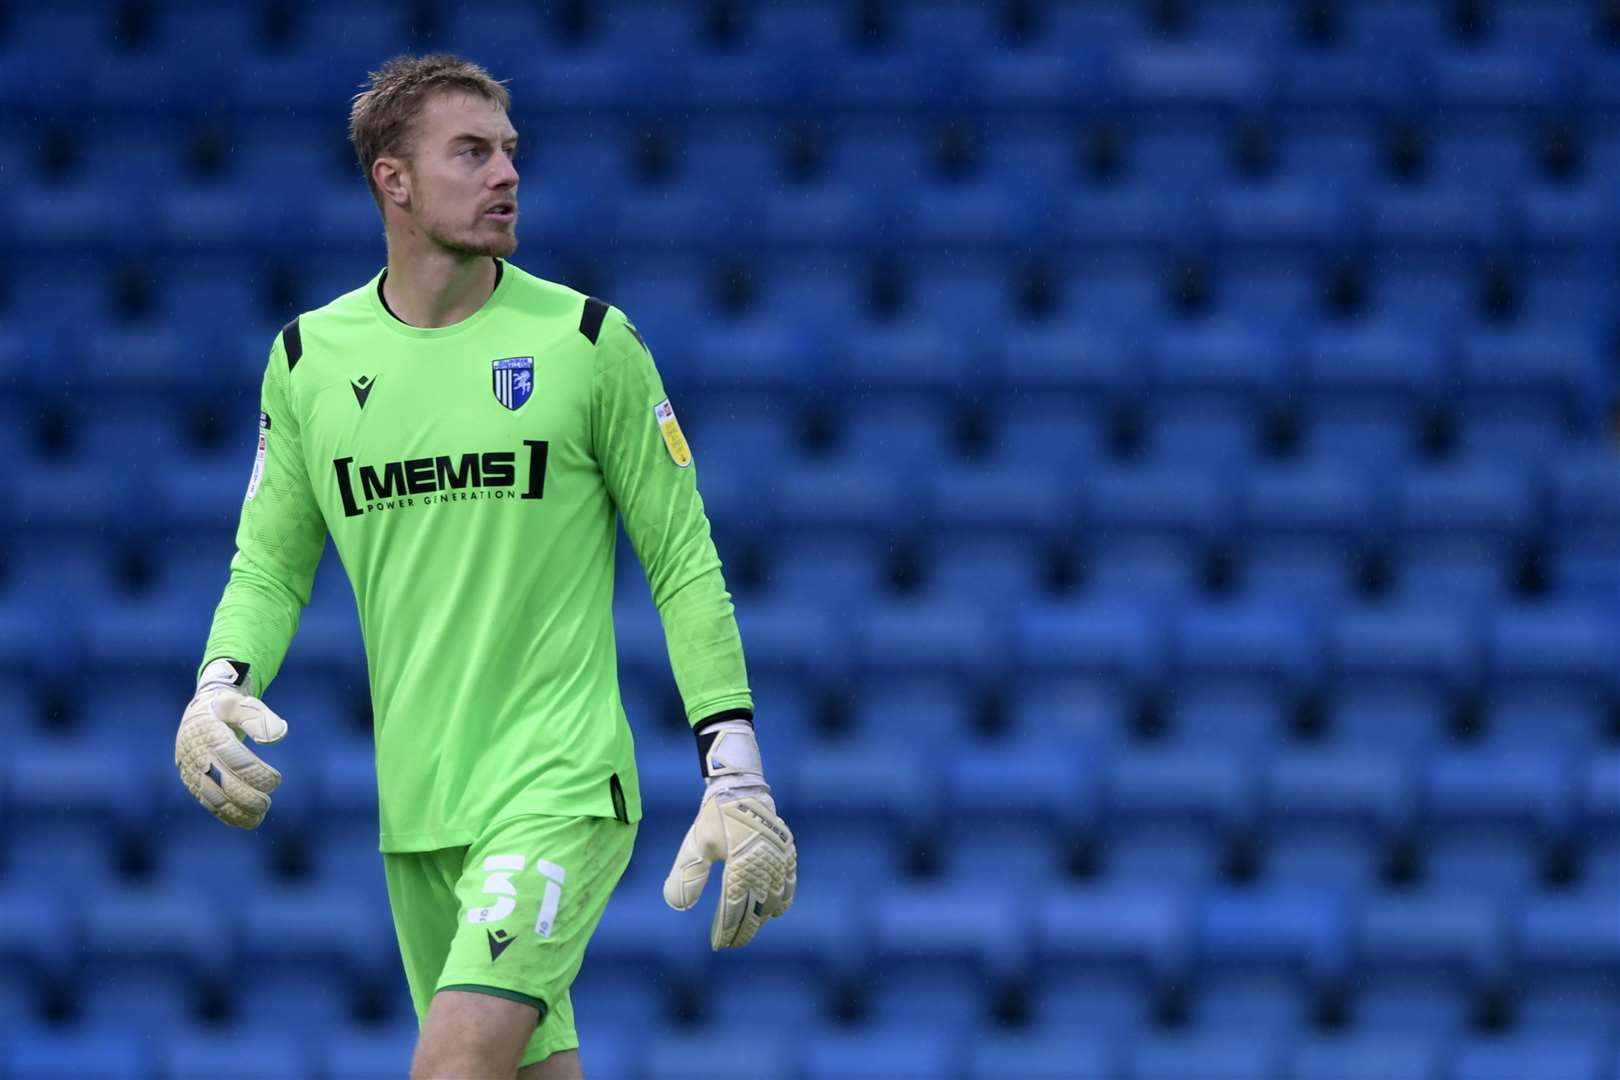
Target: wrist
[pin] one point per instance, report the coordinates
(226, 674)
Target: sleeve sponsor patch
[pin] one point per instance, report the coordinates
(670, 429)
(258, 458)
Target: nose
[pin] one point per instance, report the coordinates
(504, 174)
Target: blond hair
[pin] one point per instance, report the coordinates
(381, 115)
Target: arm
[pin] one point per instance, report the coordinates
(664, 518)
(278, 541)
(650, 475)
(278, 544)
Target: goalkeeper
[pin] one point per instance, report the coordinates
(469, 435)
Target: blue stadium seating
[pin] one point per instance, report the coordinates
(53, 1054)
(254, 1054)
(1162, 455)
(1386, 1056)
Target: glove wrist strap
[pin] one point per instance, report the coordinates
(727, 747)
(235, 674)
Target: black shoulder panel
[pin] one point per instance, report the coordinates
(590, 322)
(292, 343)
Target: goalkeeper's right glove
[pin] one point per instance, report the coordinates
(210, 752)
(736, 822)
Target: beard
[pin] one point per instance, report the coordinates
(482, 238)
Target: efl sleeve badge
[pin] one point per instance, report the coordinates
(258, 458)
(670, 429)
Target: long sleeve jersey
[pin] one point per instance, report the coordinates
(471, 477)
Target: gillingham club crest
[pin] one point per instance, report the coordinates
(514, 380)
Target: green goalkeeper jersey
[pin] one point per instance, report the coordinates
(471, 477)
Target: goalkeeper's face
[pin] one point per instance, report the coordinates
(463, 183)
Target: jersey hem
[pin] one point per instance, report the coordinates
(406, 843)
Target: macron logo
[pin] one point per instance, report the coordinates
(362, 389)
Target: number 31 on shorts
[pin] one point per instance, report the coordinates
(499, 885)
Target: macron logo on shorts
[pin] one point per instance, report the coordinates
(498, 941)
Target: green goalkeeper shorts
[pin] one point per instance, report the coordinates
(508, 915)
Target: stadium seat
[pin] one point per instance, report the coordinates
(1133, 504)
(930, 707)
(878, 1054)
(1065, 436)
(815, 499)
(1119, 642)
(1245, 646)
(1040, 1057)
(1422, 958)
(1069, 363)
(1261, 958)
(672, 1056)
(1106, 954)
(1409, 647)
(1029, 501)
(1209, 387)
(1372, 1055)
(1304, 527)
(1328, 815)
(1008, 574)
(946, 638)
(1365, 388)
(1529, 1055)
(253, 1054)
(366, 1054)
(150, 953)
(1456, 529)
(1227, 1055)
(1568, 949)
(54, 1054)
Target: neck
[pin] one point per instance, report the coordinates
(438, 287)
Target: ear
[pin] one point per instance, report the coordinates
(392, 179)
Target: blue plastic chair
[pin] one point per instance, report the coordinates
(1369, 1055)
(1420, 958)
(198, 1053)
(877, 1054)
(1042, 1056)
(1225, 1054)
(368, 1054)
(53, 1054)
(1568, 950)
(697, 1055)
(1260, 956)
(1532, 1057)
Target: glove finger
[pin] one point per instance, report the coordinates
(736, 920)
(689, 873)
(234, 755)
(224, 794)
(250, 716)
(247, 805)
(782, 899)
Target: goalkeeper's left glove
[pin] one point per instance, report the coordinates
(210, 749)
(736, 822)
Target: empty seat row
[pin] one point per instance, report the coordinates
(618, 1051)
(1545, 793)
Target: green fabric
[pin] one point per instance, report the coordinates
(465, 922)
(510, 995)
(479, 541)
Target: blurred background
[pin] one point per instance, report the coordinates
(1163, 455)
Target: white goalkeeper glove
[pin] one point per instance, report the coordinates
(736, 822)
(209, 749)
